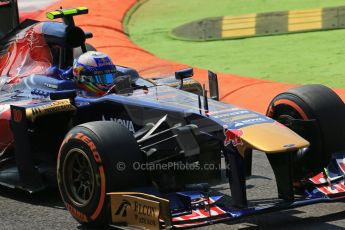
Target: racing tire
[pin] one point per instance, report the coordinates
(77, 51)
(316, 103)
(96, 158)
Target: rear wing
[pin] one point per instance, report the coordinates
(9, 16)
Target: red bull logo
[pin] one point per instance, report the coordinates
(232, 136)
(103, 61)
(77, 70)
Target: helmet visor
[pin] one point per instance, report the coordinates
(107, 78)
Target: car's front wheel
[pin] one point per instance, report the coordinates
(318, 115)
(87, 169)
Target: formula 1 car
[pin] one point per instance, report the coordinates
(120, 159)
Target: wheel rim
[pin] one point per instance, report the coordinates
(78, 177)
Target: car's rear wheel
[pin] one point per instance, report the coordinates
(325, 130)
(87, 169)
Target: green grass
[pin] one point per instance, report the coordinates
(315, 57)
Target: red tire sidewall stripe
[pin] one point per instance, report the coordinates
(92, 147)
(102, 197)
(293, 105)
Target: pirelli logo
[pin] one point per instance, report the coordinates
(51, 108)
(261, 24)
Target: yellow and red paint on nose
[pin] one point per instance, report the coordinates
(266, 137)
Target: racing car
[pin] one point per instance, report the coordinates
(118, 159)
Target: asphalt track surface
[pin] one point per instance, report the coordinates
(36, 5)
(45, 210)
(30, 9)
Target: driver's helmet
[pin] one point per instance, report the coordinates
(94, 72)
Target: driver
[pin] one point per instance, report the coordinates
(94, 72)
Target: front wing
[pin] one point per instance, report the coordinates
(196, 208)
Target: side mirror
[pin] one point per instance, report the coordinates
(123, 85)
(182, 74)
(213, 84)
